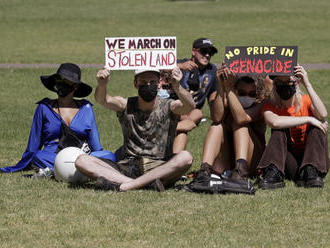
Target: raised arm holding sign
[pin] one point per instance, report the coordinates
(256, 60)
(148, 122)
(133, 53)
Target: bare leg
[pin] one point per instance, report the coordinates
(243, 144)
(180, 142)
(212, 143)
(187, 123)
(195, 115)
(168, 172)
(225, 158)
(94, 168)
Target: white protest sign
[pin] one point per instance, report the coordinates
(132, 53)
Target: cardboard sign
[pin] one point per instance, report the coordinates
(132, 53)
(252, 60)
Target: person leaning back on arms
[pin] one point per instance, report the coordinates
(148, 126)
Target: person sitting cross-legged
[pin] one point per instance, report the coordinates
(148, 126)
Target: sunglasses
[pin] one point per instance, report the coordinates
(61, 79)
(167, 86)
(244, 93)
(205, 51)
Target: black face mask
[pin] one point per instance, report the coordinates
(63, 89)
(148, 92)
(285, 91)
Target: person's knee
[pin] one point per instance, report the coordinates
(186, 159)
(82, 161)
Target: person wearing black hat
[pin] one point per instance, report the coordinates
(52, 116)
(199, 78)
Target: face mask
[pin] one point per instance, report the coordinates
(63, 89)
(246, 101)
(285, 92)
(163, 93)
(148, 92)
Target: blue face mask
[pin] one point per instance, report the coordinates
(162, 93)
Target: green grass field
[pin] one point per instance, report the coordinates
(51, 214)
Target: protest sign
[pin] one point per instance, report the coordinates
(132, 53)
(252, 60)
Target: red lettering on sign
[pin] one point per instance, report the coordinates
(287, 66)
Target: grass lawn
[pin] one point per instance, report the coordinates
(51, 214)
(36, 31)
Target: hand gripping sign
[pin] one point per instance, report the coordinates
(132, 53)
(252, 60)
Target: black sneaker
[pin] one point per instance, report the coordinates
(272, 179)
(312, 178)
(105, 184)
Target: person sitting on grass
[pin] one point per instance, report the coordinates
(148, 126)
(236, 139)
(199, 77)
(52, 115)
(186, 124)
(298, 147)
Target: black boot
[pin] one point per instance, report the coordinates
(241, 170)
(272, 178)
(203, 173)
(312, 178)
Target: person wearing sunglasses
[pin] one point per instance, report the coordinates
(52, 115)
(298, 147)
(199, 78)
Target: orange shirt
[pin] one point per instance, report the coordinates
(298, 133)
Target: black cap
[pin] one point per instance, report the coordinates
(205, 43)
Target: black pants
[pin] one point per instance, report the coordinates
(280, 153)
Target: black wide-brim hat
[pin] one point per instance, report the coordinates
(70, 72)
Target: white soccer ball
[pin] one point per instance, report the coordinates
(65, 169)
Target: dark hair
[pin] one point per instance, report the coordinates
(166, 75)
(245, 79)
(261, 90)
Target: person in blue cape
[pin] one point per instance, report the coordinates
(52, 115)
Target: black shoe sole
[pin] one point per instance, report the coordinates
(226, 186)
(278, 185)
(300, 183)
(314, 183)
